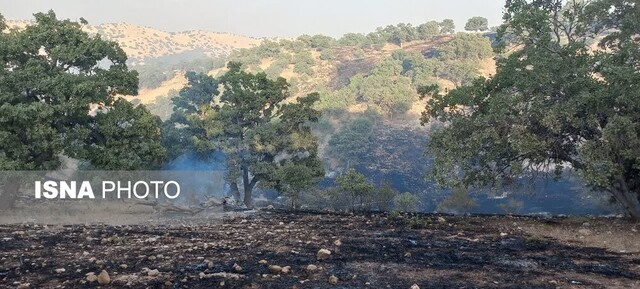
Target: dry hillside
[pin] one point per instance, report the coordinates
(141, 43)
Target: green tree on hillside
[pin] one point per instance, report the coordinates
(553, 105)
(428, 30)
(477, 24)
(54, 77)
(252, 120)
(353, 141)
(447, 26)
(356, 187)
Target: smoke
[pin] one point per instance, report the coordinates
(207, 179)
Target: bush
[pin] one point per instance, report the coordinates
(356, 188)
(383, 197)
(405, 202)
(459, 202)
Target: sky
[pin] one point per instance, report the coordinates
(261, 18)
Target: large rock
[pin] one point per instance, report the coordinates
(103, 278)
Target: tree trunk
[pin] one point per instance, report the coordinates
(628, 199)
(9, 195)
(248, 188)
(235, 192)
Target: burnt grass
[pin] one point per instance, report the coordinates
(376, 251)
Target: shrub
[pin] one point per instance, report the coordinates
(459, 202)
(405, 202)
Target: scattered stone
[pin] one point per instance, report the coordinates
(124, 266)
(153, 273)
(323, 254)
(24, 285)
(91, 277)
(237, 268)
(503, 234)
(275, 269)
(60, 270)
(262, 262)
(312, 268)
(442, 220)
(415, 286)
(338, 243)
(103, 278)
(333, 280)
(286, 269)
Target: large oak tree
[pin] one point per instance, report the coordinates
(260, 127)
(58, 88)
(555, 103)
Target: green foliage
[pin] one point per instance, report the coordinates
(447, 26)
(265, 137)
(53, 74)
(295, 178)
(459, 202)
(356, 188)
(553, 104)
(352, 141)
(355, 39)
(477, 24)
(303, 63)
(126, 137)
(326, 54)
(428, 30)
(466, 46)
(406, 202)
(45, 99)
(383, 197)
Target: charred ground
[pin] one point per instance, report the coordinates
(373, 251)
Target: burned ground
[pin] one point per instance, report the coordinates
(368, 251)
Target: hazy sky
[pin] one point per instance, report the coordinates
(261, 18)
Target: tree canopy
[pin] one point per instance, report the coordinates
(252, 119)
(554, 103)
(477, 23)
(58, 96)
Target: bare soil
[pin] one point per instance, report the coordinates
(373, 251)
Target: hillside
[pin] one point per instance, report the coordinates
(143, 43)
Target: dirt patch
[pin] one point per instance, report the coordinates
(367, 251)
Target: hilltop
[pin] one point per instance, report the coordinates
(144, 43)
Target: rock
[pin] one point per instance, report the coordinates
(333, 280)
(415, 286)
(103, 278)
(338, 243)
(60, 270)
(262, 262)
(91, 277)
(24, 285)
(442, 220)
(323, 254)
(237, 268)
(153, 273)
(312, 268)
(124, 266)
(286, 269)
(275, 269)
(586, 224)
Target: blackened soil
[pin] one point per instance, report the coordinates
(373, 251)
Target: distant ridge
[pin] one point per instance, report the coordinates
(143, 43)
